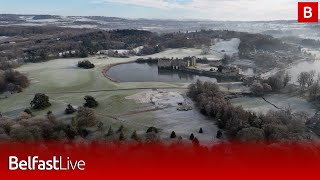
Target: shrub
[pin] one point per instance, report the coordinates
(173, 135)
(152, 129)
(85, 64)
(70, 109)
(90, 102)
(40, 101)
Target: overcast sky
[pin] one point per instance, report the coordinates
(164, 9)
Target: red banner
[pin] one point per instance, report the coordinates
(159, 161)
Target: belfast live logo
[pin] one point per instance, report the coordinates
(308, 12)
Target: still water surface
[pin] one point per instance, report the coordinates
(144, 72)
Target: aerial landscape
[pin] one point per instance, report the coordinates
(159, 89)
(84, 78)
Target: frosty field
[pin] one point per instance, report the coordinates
(66, 84)
(57, 77)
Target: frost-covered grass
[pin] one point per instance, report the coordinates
(181, 53)
(305, 66)
(258, 105)
(62, 75)
(170, 119)
(229, 47)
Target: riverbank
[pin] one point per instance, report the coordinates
(106, 68)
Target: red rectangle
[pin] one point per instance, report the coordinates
(308, 12)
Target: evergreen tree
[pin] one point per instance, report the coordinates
(219, 134)
(110, 131)
(70, 109)
(191, 137)
(135, 136)
(100, 126)
(40, 101)
(196, 142)
(121, 136)
(120, 128)
(173, 135)
(90, 102)
(201, 131)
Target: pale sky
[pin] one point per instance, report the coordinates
(245, 10)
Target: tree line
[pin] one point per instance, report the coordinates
(243, 125)
(12, 81)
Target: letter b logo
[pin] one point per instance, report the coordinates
(308, 12)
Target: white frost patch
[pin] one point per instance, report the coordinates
(3, 37)
(81, 26)
(227, 47)
(42, 20)
(185, 52)
(244, 62)
(158, 98)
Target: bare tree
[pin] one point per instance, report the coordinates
(205, 49)
(302, 79)
(286, 79)
(86, 117)
(314, 90)
(310, 77)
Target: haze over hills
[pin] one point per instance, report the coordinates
(275, 28)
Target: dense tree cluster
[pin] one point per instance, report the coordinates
(268, 51)
(242, 125)
(90, 102)
(26, 128)
(40, 101)
(272, 84)
(259, 89)
(306, 78)
(12, 81)
(67, 42)
(309, 82)
(86, 64)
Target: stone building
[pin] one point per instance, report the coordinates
(232, 70)
(177, 63)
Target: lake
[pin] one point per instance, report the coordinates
(149, 72)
